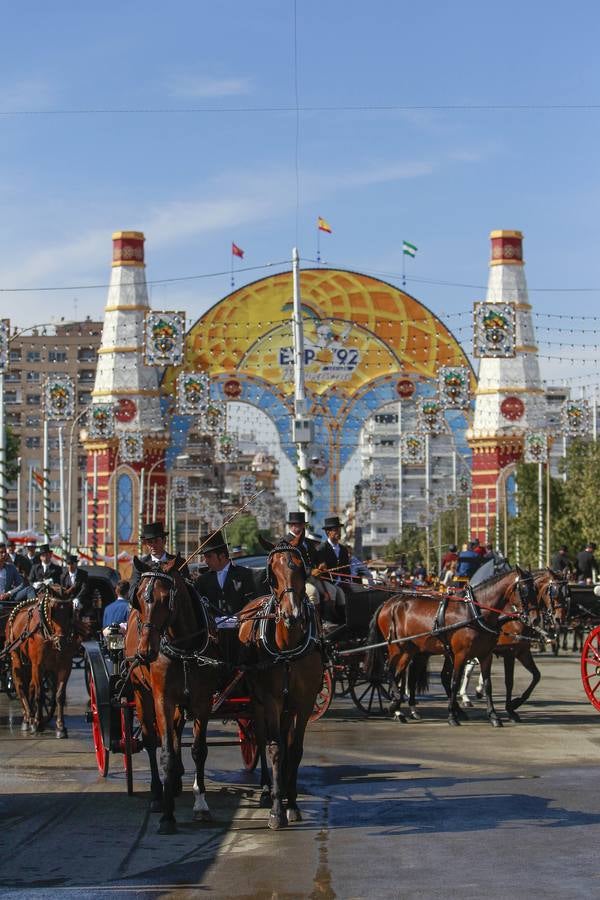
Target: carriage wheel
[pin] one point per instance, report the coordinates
(324, 697)
(590, 667)
(127, 744)
(48, 697)
(373, 698)
(248, 745)
(102, 754)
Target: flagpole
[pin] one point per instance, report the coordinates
(318, 244)
(403, 268)
(232, 264)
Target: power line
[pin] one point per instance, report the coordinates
(392, 107)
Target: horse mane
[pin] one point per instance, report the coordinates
(491, 582)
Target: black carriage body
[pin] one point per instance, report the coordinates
(585, 605)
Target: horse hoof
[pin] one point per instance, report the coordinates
(167, 826)
(496, 722)
(203, 815)
(25, 727)
(277, 822)
(155, 806)
(467, 703)
(414, 715)
(513, 716)
(265, 801)
(452, 720)
(293, 814)
(399, 717)
(62, 733)
(479, 694)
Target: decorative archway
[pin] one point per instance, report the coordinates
(362, 337)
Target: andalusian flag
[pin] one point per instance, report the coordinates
(322, 225)
(409, 249)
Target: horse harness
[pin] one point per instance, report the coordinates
(44, 624)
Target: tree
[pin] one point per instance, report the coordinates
(244, 532)
(12, 453)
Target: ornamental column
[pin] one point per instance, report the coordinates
(129, 388)
(509, 400)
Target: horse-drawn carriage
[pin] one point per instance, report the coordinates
(586, 611)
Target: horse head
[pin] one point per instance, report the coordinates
(287, 578)
(523, 593)
(155, 601)
(554, 598)
(57, 614)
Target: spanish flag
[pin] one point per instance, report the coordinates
(322, 225)
(38, 478)
(237, 251)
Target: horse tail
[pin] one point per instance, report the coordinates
(420, 671)
(375, 657)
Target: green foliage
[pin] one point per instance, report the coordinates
(12, 453)
(574, 505)
(450, 526)
(244, 532)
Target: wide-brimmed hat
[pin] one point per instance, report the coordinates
(332, 522)
(213, 542)
(44, 548)
(153, 530)
(296, 518)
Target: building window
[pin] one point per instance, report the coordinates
(55, 506)
(386, 418)
(34, 356)
(32, 421)
(84, 397)
(87, 375)
(12, 375)
(86, 354)
(12, 506)
(10, 397)
(33, 441)
(14, 355)
(32, 400)
(124, 508)
(34, 376)
(57, 356)
(13, 418)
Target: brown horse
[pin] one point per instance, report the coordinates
(281, 636)
(172, 642)
(467, 628)
(43, 640)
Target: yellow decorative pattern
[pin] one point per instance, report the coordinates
(356, 329)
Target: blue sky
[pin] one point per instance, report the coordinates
(194, 182)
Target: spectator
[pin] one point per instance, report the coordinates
(468, 562)
(449, 557)
(117, 612)
(560, 561)
(10, 580)
(477, 548)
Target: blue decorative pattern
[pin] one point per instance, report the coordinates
(124, 508)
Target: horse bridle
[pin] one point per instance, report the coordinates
(152, 577)
(525, 586)
(280, 616)
(557, 591)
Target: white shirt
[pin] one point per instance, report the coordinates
(157, 559)
(335, 547)
(222, 575)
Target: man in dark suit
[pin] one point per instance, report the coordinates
(296, 522)
(587, 567)
(75, 583)
(154, 537)
(45, 568)
(334, 561)
(225, 585)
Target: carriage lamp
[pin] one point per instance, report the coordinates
(115, 639)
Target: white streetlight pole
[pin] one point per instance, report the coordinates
(69, 529)
(304, 495)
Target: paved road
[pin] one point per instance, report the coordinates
(390, 811)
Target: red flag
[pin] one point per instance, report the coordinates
(237, 251)
(38, 478)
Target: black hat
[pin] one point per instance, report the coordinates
(153, 530)
(214, 542)
(44, 548)
(71, 558)
(452, 548)
(31, 544)
(563, 548)
(296, 518)
(332, 522)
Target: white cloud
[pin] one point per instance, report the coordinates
(199, 87)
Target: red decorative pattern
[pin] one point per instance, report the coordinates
(507, 249)
(405, 388)
(232, 388)
(126, 410)
(512, 408)
(128, 249)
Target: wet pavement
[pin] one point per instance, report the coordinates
(390, 810)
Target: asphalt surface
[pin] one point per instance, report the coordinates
(390, 810)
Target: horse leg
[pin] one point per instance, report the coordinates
(169, 763)
(179, 725)
(527, 660)
(199, 754)
(294, 759)
(62, 676)
(277, 817)
(22, 690)
(486, 672)
(463, 692)
(397, 665)
(265, 801)
(454, 711)
(35, 700)
(446, 675)
(144, 706)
